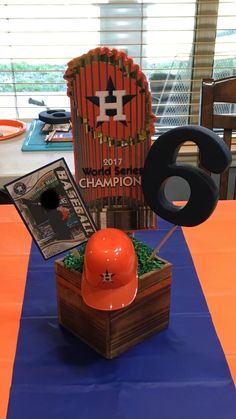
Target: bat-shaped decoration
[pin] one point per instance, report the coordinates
(112, 125)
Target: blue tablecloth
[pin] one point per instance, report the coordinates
(179, 373)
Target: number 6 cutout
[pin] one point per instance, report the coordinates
(160, 165)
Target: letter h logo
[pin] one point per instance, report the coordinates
(110, 103)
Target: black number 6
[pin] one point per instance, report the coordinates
(160, 165)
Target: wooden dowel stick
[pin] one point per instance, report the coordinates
(165, 238)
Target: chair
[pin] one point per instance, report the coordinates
(217, 100)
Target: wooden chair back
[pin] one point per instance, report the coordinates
(222, 91)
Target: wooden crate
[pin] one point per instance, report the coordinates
(112, 332)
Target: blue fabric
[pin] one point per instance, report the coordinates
(178, 373)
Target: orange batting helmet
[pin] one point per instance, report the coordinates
(109, 280)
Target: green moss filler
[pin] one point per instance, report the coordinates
(75, 262)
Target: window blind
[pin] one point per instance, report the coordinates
(176, 43)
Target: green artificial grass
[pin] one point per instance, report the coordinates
(75, 262)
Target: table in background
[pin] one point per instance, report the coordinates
(15, 163)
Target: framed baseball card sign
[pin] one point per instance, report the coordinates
(112, 128)
(52, 208)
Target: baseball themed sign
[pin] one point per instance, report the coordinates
(52, 208)
(112, 127)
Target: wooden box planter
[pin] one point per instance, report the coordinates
(112, 332)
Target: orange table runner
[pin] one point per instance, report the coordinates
(213, 249)
(14, 256)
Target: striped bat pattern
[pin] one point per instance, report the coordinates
(112, 127)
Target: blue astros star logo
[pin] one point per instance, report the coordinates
(110, 103)
(19, 188)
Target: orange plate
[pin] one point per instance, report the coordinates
(11, 128)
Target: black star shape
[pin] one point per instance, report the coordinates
(110, 99)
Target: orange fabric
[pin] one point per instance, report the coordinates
(213, 249)
(14, 256)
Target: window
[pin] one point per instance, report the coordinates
(225, 52)
(176, 43)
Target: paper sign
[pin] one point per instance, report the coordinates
(52, 208)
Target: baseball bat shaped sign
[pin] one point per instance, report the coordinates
(160, 165)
